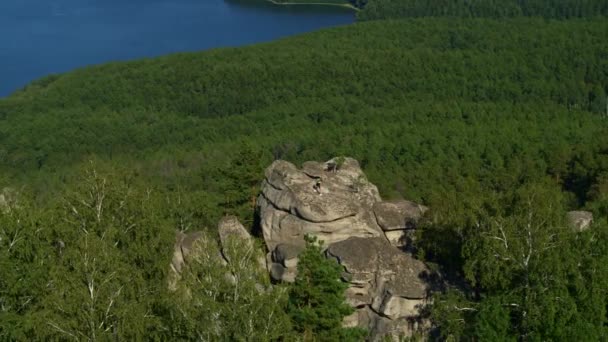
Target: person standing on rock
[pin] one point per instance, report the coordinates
(317, 186)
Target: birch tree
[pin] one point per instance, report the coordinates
(109, 271)
(225, 294)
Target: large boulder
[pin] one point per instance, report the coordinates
(228, 228)
(8, 200)
(182, 249)
(398, 215)
(398, 220)
(385, 283)
(334, 202)
(580, 220)
(332, 205)
(330, 201)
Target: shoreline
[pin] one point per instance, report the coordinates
(349, 6)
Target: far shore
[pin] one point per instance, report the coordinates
(314, 3)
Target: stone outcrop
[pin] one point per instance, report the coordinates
(334, 202)
(370, 238)
(580, 220)
(184, 244)
(8, 200)
(330, 205)
(398, 220)
(386, 284)
(228, 227)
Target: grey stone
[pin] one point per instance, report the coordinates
(375, 259)
(229, 226)
(330, 205)
(334, 202)
(580, 220)
(287, 254)
(279, 272)
(398, 215)
(8, 200)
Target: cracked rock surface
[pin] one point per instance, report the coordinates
(335, 202)
(330, 205)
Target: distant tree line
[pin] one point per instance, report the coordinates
(555, 9)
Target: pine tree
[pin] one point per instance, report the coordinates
(316, 300)
(242, 184)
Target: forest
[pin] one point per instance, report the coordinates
(499, 125)
(550, 9)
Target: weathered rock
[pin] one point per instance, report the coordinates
(580, 220)
(229, 226)
(376, 260)
(283, 262)
(182, 249)
(395, 307)
(386, 283)
(229, 229)
(279, 272)
(398, 215)
(399, 238)
(287, 254)
(334, 202)
(8, 200)
(330, 205)
(398, 219)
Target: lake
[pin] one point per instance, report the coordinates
(40, 37)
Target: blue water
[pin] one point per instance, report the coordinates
(40, 37)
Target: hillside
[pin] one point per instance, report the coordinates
(386, 93)
(496, 125)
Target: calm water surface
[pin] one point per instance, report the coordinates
(40, 37)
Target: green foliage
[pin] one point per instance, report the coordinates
(499, 126)
(232, 301)
(413, 108)
(317, 301)
(558, 9)
(493, 321)
(26, 252)
(89, 266)
(242, 179)
(530, 274)
(339, 162)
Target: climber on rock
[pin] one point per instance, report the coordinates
(317, 186)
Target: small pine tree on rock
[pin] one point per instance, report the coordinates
(316, 301)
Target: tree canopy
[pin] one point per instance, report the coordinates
(498, 125)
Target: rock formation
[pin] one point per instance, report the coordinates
(331, 205)
(580, 220)
(8, 200)
(370, 238)
(334, 202)
(387, 286)
(182, 249)
(228, 227)
(398, 220)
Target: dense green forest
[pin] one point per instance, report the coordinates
(556, 9)
(499, 126)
